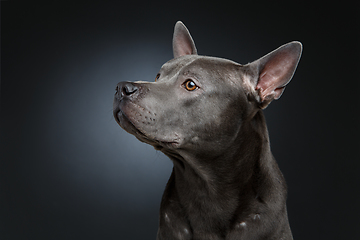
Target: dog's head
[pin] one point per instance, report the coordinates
(198, 103)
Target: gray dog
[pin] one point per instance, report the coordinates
(205, 114)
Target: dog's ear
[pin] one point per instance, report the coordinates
(183, 43)
(274, 72)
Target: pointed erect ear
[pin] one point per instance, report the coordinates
(275, 71)
(183, 44)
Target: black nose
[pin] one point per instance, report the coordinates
(124, 89)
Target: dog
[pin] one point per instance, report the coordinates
(205, 114)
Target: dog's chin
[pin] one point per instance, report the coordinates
(125, 124)
(131, 128)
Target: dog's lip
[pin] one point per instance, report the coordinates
(141, 134)
(121, 115)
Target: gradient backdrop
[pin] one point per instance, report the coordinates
(68, 171)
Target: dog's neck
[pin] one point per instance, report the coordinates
(226, 183)
(251, 152)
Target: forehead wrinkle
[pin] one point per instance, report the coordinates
(190, 73)
(172, 68)
(208, 66)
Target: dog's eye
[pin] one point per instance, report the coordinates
(157, 77)
(190, 85)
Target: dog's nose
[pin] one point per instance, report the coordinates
(124, 89)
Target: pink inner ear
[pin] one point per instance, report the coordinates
(182, 47)
(276, 73)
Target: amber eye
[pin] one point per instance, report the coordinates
(190, 85)
(157, 77)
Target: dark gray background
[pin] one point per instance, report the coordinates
(68, 171)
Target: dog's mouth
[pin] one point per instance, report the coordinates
(124, 121)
